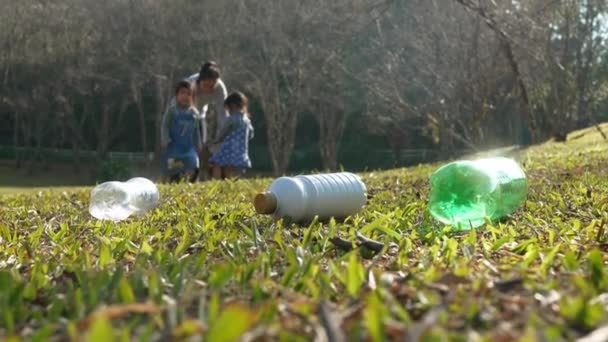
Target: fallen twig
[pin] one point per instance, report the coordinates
(369, 243)
(330, 323)
(342, 244)
(362, 241)
(508, 285)
(118, 311)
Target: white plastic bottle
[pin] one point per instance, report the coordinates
(118, 200)
(302, 198)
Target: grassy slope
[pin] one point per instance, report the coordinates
(203, 263)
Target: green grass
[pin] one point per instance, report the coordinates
(203, 264)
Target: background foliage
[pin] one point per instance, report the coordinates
(330, 82)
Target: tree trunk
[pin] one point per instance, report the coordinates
(143, 132)
(38, 159)
(585, 59)
(329, 152)
(73, 130)
(281, 142)
(76, 154)
(103, 133)
(446, 139)
(27, 137)
(528, 118)
(161, 103)
(514, 65)
(281, 119)
(331, 130)
(108, 130)
(16, 130)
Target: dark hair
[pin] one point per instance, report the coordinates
(236, 99)
(183, 85)
(209, 71)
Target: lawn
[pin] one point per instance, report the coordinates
(59, 176)
(205, 265)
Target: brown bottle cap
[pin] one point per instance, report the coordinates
(265, 203)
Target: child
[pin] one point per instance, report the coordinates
(234, 136)
(180, 136)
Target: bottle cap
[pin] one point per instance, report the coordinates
(265, 203)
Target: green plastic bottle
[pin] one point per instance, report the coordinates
(463, 193)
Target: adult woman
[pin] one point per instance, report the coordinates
(210, 96)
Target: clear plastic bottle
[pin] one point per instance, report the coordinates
(302, 198)
(118, 200)
(463, 193)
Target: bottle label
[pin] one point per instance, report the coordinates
(504, 170)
